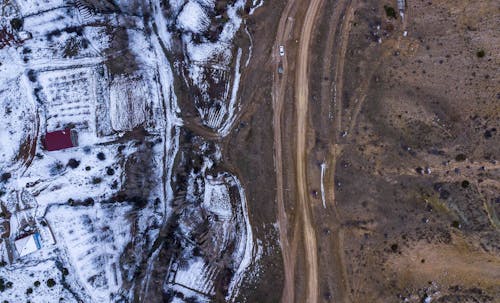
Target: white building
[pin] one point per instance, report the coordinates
(28, 244)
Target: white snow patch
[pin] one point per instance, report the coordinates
(255, 5)
(193, 18)
(198, 275)
(216, 198)
(323, 168)
(128, 98)
(30, 7)
(224, 130)
(245, 249)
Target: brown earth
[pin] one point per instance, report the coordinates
(407, 128)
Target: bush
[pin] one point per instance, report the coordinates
(51, 283)
(73, 163)
(101, 156)
(5, 177)
(88, 202)
(110, 171)
(16, 23)
(390, 12)
(480, 53)
(460, 158)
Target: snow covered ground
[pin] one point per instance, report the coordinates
(39, 282)
(216, 199)
(207, 36)
(15, 118)
(69, 74)
(60, 78)
(94, 239)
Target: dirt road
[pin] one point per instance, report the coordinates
(279, 86)
(301, 103)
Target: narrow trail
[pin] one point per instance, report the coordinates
(301, 103)
(339, 77)
(278, 92)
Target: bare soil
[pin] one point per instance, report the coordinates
(408, 128)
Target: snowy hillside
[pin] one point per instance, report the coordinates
(104, 196)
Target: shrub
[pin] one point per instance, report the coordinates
(5, 177)
(390, 12)
(16, 23)
(110, 171)
(51, 283)
(394, 247)
(73, 163)
(101, 156)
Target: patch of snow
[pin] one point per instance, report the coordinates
(28, 7)
(50, 21)
(255, 5)
(250, 48)
(216, 198)
(246, 247)
(226, 128)
(193, 17)
(323, 168)
(198, 275)
(128, 99)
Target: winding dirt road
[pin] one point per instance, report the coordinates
(301, 104)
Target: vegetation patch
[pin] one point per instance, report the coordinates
(390, 12)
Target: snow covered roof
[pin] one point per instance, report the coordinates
(28, 244)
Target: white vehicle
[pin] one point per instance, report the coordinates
(282, 50)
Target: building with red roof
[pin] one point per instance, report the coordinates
(60, 139)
